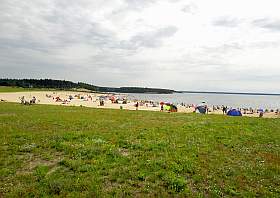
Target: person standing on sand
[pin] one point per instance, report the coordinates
(161, 107)
(137, 105)
(224, 109)
(22, 100)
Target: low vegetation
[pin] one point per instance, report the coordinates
(84, 152)
(68, 85)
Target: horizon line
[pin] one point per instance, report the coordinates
(233, 93)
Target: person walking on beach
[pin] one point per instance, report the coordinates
(224, 110)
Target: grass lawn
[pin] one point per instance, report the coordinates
(77, 151)
(11, 89)
(4, 89)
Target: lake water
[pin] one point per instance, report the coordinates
(230, 100)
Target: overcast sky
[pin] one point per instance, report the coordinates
(217, 45)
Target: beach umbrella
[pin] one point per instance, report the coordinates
(113, 98)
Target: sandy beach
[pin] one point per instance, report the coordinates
(72, 98)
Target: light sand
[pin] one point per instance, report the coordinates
(92, 100)
(89, 99)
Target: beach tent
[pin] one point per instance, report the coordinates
(201, 109)
(234, 112)
(166, 107)
(170, 107)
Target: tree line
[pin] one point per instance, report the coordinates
(68, 85)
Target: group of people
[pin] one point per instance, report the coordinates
(203, 108)
(167, 107)
(26, 102)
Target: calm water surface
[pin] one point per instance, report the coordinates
(232, 100)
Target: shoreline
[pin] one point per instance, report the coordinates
(93, 100)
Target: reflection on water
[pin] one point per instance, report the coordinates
(235, 101)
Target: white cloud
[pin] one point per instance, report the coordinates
(184, 45)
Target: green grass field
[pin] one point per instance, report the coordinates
(4, 89)
(11, 89)
(85, 152)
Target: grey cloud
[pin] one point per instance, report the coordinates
(77, 28)
(34, 43)
(150, 39)
(41, 38)
(58, 24)
(227, 22)
(48, 28)
(270, 24)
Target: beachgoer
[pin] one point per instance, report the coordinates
(33, 100)
(224, 110)
(137, 105)
(202, 108)
(22, 100)
(100, 103)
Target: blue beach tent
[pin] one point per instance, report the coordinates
(201, 109)
(234, 112)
